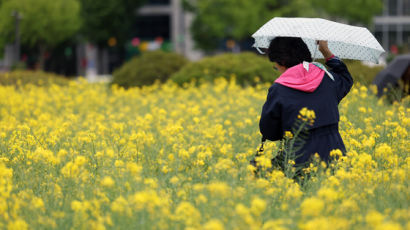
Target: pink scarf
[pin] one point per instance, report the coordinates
(304, 77)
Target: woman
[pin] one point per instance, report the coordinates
(303, 84)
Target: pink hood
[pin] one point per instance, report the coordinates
(298, 77)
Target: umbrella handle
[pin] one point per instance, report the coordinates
(260, 51)
(316, 48)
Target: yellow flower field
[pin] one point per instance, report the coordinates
(85, 156)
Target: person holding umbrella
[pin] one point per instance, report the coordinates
(303, 84)
(292, 43)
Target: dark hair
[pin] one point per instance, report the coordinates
(288, 51)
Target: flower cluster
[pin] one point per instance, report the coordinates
(307, 115)
(165, 157)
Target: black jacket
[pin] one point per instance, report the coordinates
(283, 104)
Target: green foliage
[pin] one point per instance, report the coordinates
(239, 19)
(44, 22)
(216, 20)
(247, 67)
(110, 18)
(362, 73)
(353, 11)
(39, 78)
(396, 92)
(147, 68)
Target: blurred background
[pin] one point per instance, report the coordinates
(94, 38)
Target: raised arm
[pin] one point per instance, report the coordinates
(324, 49)
(343, 79)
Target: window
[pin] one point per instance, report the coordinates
(406, 7)
(392, 7)
(150, 27)
(158, 2)
(406, 35)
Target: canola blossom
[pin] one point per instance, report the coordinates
(85, 156)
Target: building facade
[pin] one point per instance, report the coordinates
(167, 19)
(392, 28)
(163, 20)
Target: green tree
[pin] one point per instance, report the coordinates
(45, 23)
(110, 18)
(239, 19)
(360, 12)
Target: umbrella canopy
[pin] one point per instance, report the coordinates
(392, 73)
(345, 41)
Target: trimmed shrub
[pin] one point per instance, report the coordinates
(362, 73)
(147, 68)
(247, 67)
(25, 77)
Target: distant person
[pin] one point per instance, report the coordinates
(394, 80)
(406, 81)
(304, 84)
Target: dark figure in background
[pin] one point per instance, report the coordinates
(394, 80)
(305, 84)
(406, 81)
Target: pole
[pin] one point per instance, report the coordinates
(399, 38)
(17, 17)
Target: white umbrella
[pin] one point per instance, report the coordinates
(345, 41)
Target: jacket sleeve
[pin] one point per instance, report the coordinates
(270, 123)
(343, 78)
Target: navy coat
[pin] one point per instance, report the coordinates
(283, 104)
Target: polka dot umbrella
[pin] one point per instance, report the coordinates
(345, 41)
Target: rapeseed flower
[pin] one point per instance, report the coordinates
(213, 225)
(312, 207)
(169, 157)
